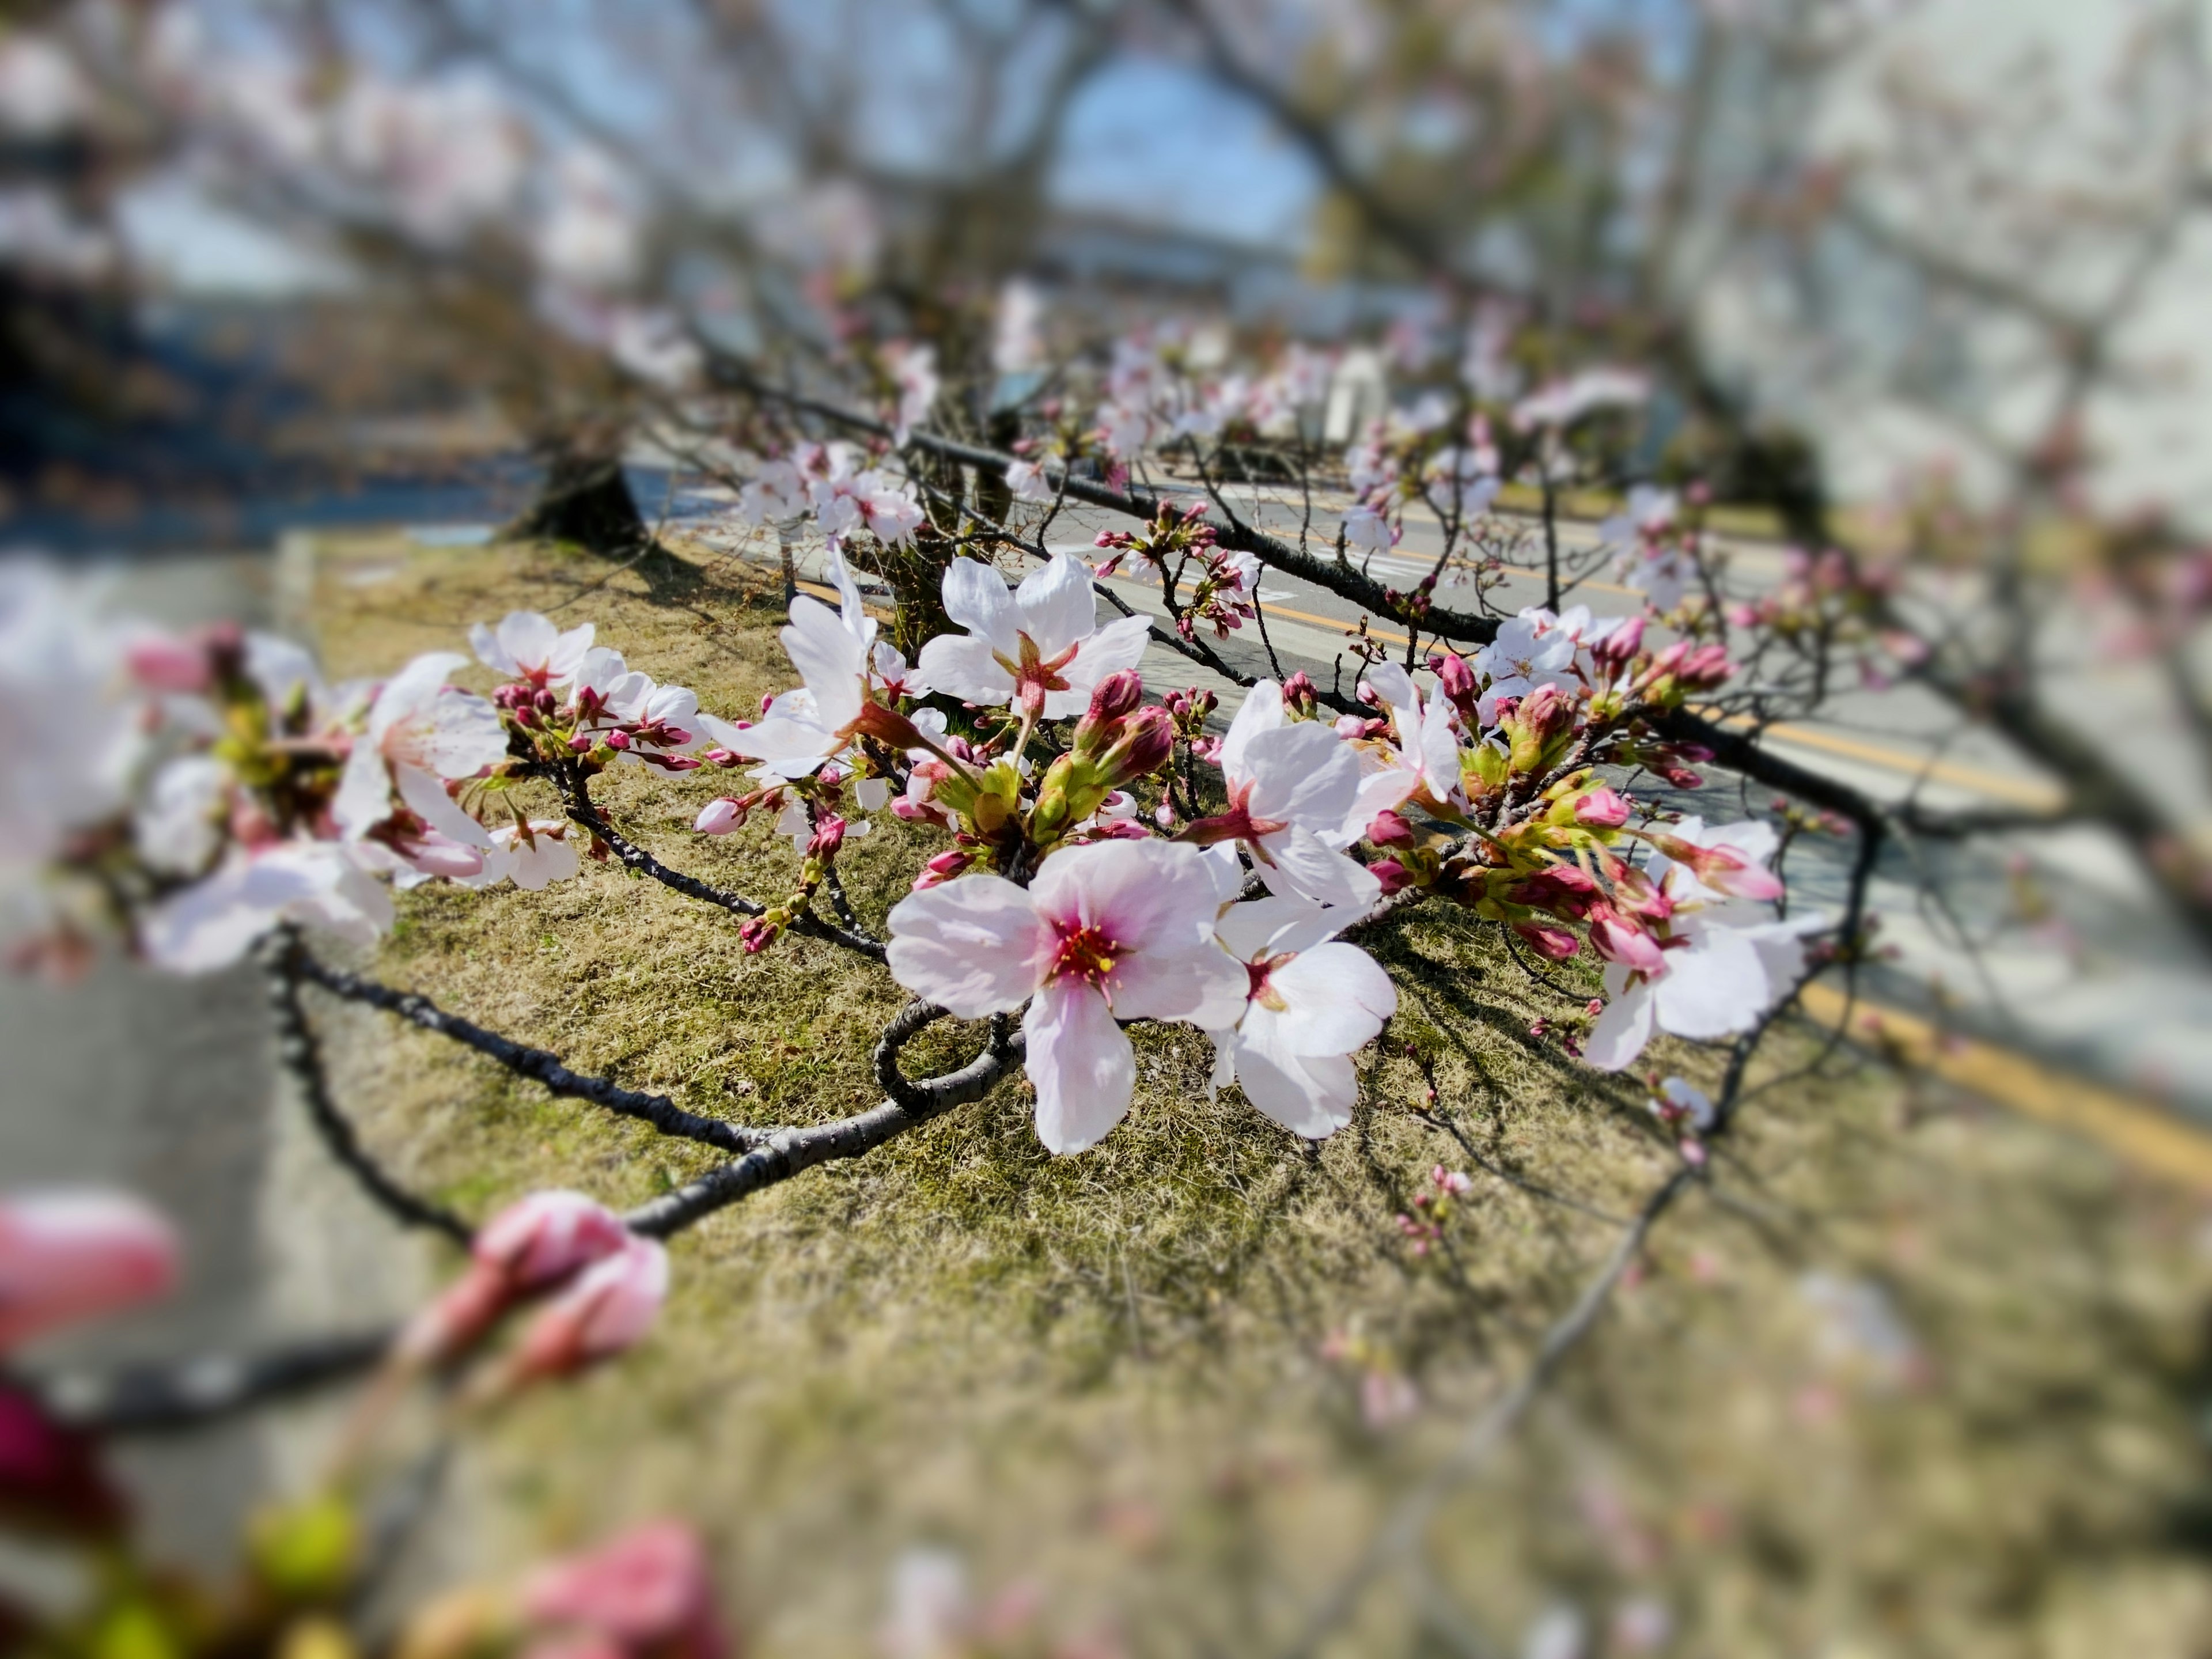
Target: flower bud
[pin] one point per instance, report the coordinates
(67, 1256)
(1601, 808)
(1620, 644)
(1116, 695)
(605, 1310)
(1453, 675)
(648, 1592)
(163, 662)
(527, 1248)
(617, 739)
(719, 817)
(1389, 829)
(579, 745)
(1548, 939)
(1394, 876)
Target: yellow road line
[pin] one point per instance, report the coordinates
(2139, 1131)
(2024, 792)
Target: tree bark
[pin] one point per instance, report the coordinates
(584, 499)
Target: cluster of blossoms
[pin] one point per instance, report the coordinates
(1225, 586)
(1417, 456)
(831, 481)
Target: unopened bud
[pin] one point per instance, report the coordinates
(719, 817)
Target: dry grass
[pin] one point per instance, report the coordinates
(1105, 1376)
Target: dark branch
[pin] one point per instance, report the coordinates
(149, 1399)
(300, 1055)
(662, 1112)
(787, 1151)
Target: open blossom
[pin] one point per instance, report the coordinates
(1530, 650)
(73, 740)
(1418, 762)
(1038, 646)
(1311, 1003)
(533, 856)
(331, 886)
(1292, 785)
(67, 1256)
(1562, 402)
(420, 731)
(833, 651)
(1714, 964)
(645, 1596)
(777, 492)
(1108, 931)
(528, 647)
(1027, 480)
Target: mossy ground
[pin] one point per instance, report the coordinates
(1132, 1380)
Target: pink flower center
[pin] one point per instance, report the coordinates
(1086, 953)
(1260, 991)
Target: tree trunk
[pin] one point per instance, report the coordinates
(584, 499)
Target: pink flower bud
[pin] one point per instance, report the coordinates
(579, 745)
(617, 739)
(1453, 675)
(1621, 644)
(1116, 695)
(607, 1309)
(1389, 829)
(1548, 939)
(1394, 876)
(719, 817)
(527, 1248)
(67, 1256)
(829, 835)
(163, 662)
(1601, 808)
(1349, 726)
(648, 1592)
(1618, 939)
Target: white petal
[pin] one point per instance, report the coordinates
(1198, 983)
(1056, 606)
(976, 597)
(1081, 1063)
(1143, 895)
(1303, 774)
(834, 664)
(1714, 987)
(427, 800)
(1299, 861)
(973, 946)
(965, 666)
(1260, 711)
(1309, 1095)
(1119, 645)
(1338, 998)
(1619, 1034)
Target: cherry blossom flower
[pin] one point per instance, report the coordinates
(527, 647)
(1530, 650)
(420, 731)
(179, 822)
(1719, 963)
(1561, 403)
(1311, 1003)
(913, 371)
(1108, 931)
(1292, 785)
(74, 741)
(1039, 646)
(648, 1594)
(533, 856)
(71, 1254)
(1027, 480)
(1365, 527)
(1420, 759)
(777, 493)
(331, 886)
(833, 651)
